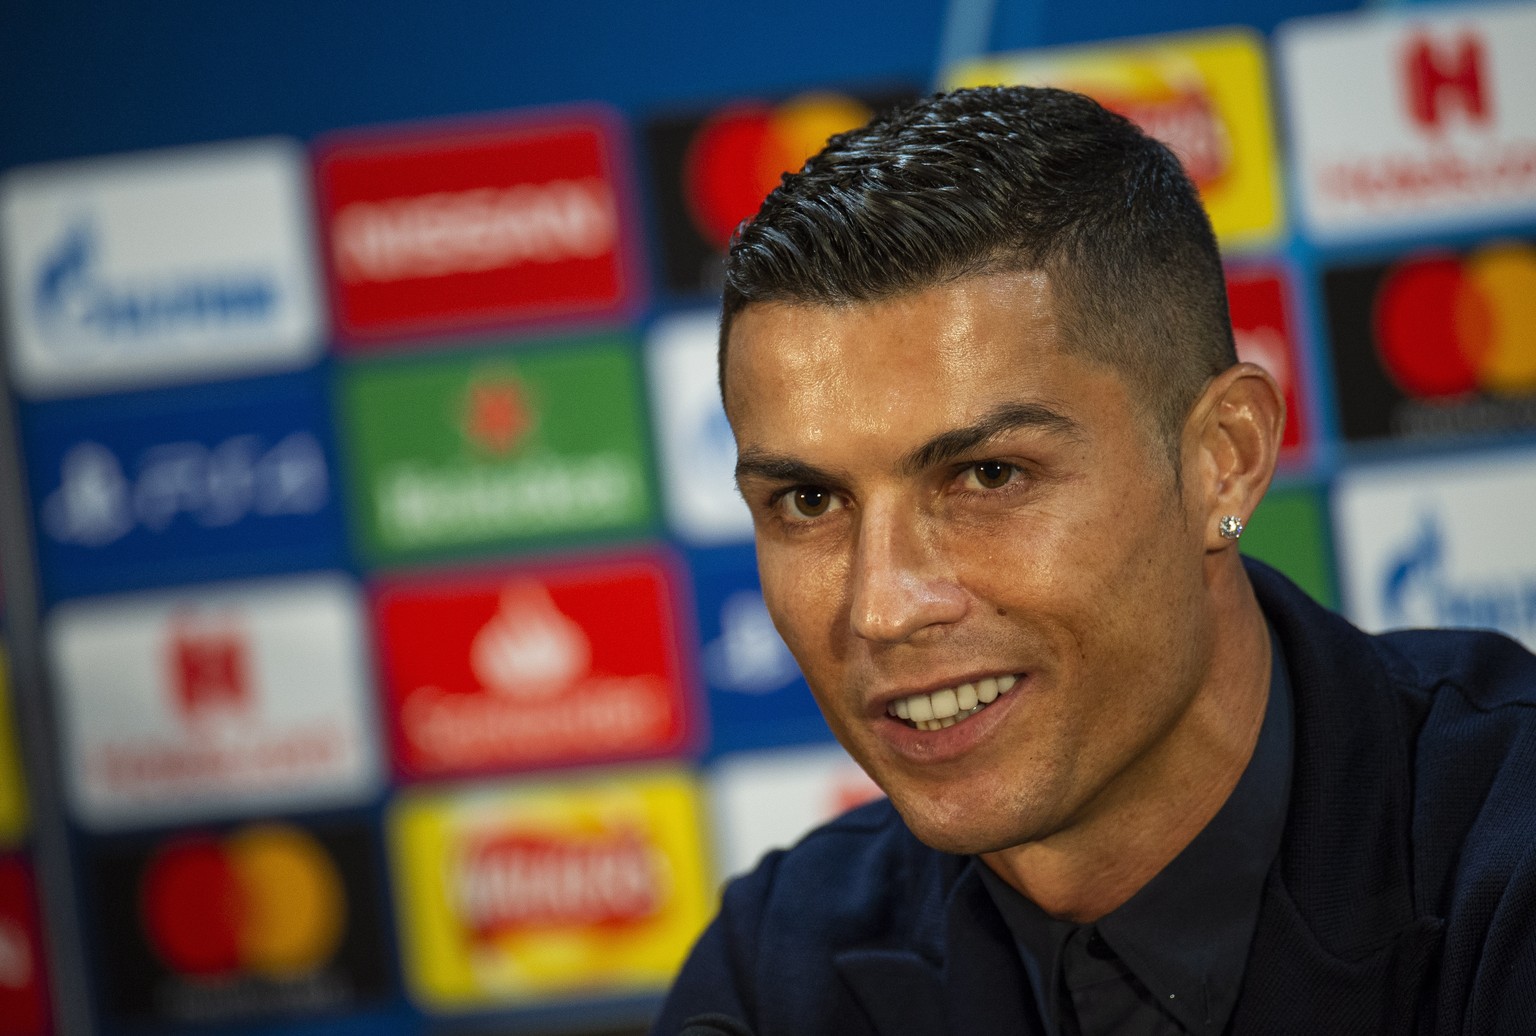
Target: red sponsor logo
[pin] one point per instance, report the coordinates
(1448, 325)
(497, 416)
(502, 226)
(1262, 326)
(265, 900)
(1441, 77)
(209, 670)
(534, 668)
(1189, 124)
(516, 883)
(23, 991)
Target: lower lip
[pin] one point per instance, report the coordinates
(947, 743)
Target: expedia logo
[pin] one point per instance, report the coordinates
(77, 305)
(526, 882)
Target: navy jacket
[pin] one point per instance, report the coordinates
(1403, 899)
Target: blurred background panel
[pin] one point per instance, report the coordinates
(383, 646)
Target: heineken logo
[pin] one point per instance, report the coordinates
(456, 454)
(497, 416)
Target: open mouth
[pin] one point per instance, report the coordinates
(935, 710)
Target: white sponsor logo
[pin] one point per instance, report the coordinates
(421, 506)
(163, 266)
(698, 453)
(1441, 543)
(97, 503)
(768, 800)
(193, 704)
(1402, 118)
(487, 228)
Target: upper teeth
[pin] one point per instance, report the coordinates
(944, 708)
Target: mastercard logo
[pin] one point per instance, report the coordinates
(1446, 325)
(266, 900)
(738, 155)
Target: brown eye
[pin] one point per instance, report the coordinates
(992, 474)
(810, 501)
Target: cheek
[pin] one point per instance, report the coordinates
(804, 595)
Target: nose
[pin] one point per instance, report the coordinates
(901, 581)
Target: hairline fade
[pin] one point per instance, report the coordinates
(1006, 179)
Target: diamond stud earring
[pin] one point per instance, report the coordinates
(1231, 526)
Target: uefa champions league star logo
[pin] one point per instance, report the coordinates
(748, 657)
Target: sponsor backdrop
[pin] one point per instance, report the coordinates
(375, 557)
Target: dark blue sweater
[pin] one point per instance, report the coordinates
(1403, 899)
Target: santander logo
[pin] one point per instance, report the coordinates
(529, 650)
(534, 668)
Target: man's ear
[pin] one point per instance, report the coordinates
(1240, 420)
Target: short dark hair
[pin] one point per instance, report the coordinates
(1001, 179)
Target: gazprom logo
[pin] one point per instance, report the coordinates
(77, 304)
(160, 267)
(1420, 588)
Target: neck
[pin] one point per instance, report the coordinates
(1154, 809)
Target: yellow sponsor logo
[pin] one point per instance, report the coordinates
(13, 795)
(527, 893)
(1205, 95)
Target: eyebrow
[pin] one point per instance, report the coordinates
(772, 467)
(757, 463)
(1000, 420)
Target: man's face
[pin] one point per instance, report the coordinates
(950, 508)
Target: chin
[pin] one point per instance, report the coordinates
(963, 835)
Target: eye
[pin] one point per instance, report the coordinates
(990, 474)
(805, 502)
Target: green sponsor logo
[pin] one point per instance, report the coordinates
(1290, 531)
(455, 454)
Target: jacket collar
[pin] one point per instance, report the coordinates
(1339, 917)
(963, 976)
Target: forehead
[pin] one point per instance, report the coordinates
(904, 368)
